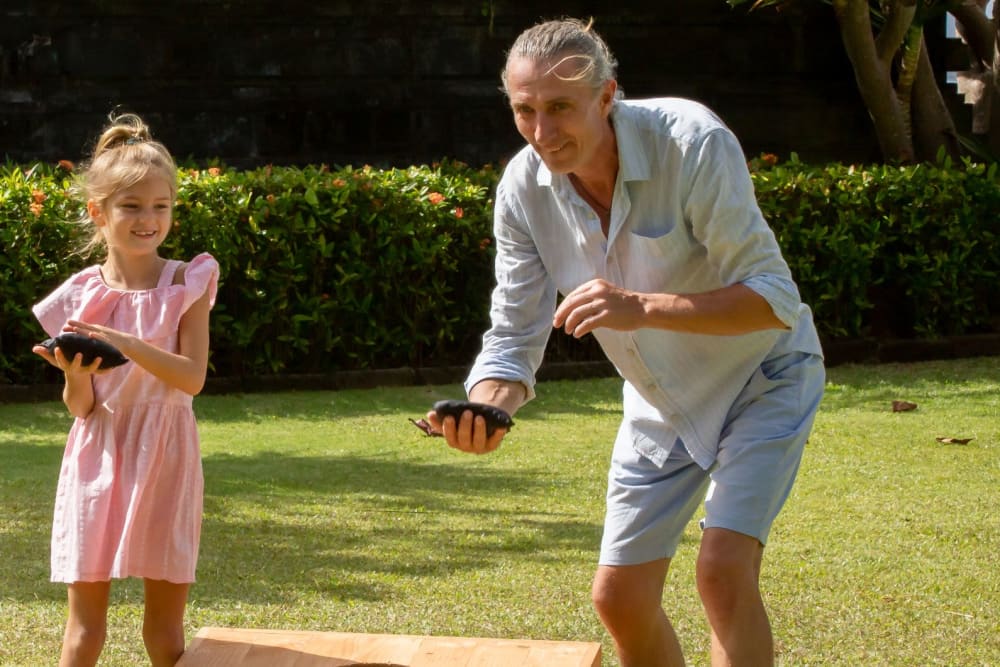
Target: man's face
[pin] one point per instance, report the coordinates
(564, 121)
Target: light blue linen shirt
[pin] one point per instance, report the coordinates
(684, 220)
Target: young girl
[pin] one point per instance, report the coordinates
(129, 499)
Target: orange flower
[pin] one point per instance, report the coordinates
(67, 165)
(458, 212)
(435, 198)
(36, 208)
(484, 244)
(339, 182)
(214, 171)
(769, 159)
(38, 196)
(270, 199)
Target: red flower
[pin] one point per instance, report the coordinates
(339, 182)
(435, 198)
(214, 171)
(458, 212)
(38, 196)
(484, 244)
(769, 159)
(67, 165)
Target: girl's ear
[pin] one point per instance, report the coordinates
(94, 211)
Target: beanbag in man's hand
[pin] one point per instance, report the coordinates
(494, 416)
(91, 348)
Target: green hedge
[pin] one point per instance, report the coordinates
(889, 251)
(359, 268)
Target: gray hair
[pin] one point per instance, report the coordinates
(563, 40)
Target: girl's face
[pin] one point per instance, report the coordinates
(136, 219)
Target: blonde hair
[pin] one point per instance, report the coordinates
(563, 40)
(125, 153)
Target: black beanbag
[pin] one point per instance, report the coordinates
(91, 348)
(495, 417)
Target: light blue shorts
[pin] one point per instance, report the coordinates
(760, 448)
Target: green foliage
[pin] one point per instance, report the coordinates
(358, 268)
(322, 270)
(888, 251)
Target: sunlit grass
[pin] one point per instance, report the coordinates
(329, 511)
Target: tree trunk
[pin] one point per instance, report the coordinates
(933, 126)
(993, 139)
(874, 79)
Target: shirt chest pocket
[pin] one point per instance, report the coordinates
(660, 253)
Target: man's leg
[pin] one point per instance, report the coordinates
(759, 455)
(728, 575)
(628, 600)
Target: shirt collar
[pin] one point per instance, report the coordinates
(633, 160)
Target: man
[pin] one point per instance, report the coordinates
(642, 214)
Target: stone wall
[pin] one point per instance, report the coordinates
(396, 83)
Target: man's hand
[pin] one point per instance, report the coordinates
(468, 433)
(598, 303)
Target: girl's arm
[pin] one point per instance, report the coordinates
(185, 370)
(78, 392)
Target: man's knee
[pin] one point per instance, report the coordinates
(728, 565)
(628, 593)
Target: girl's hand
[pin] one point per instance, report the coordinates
(122, 341)
(67, 366)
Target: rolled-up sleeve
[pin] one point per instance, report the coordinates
(727, 221)
(522, 305)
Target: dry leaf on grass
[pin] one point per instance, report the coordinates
(954, 441)
(903, 406)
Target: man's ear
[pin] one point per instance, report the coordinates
(608, 95)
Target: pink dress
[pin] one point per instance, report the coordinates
(129, 499)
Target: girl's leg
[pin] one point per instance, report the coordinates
(163, 622)
(87, 625)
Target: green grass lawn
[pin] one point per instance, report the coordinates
(329, 511)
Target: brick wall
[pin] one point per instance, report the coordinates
(396, 83)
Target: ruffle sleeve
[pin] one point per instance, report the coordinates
(200, 276)
(64, 302)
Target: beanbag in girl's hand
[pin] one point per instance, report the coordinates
(91, 348)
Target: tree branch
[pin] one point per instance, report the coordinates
(977, 31)
(891, 37)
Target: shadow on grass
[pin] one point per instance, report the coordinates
(277, 527)
(361, 527)
(563, 396)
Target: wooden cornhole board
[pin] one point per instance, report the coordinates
(222, 647)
